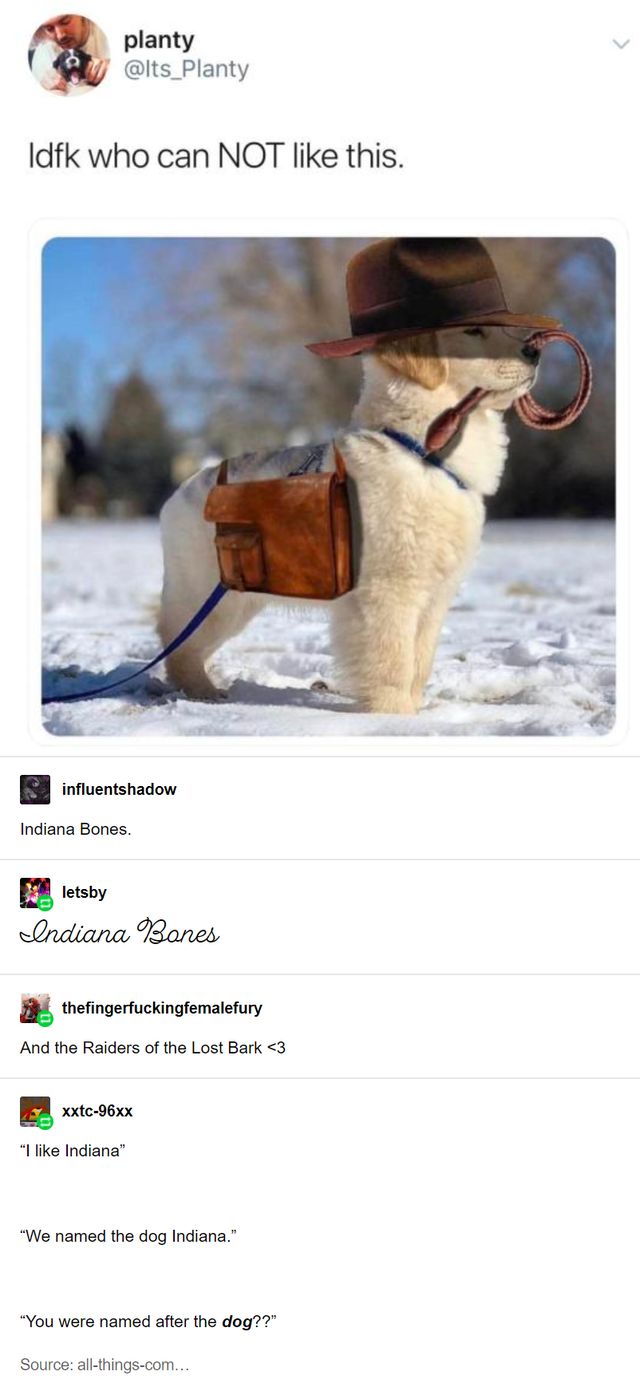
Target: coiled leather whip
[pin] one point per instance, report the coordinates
(537, 416)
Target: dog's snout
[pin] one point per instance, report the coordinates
(530, 352)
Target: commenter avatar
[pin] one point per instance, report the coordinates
(69, 54)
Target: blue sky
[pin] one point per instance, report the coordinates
(82, 321)
(92, 295)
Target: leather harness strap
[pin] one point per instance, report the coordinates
(448, 424)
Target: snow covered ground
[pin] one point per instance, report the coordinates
(528, 649)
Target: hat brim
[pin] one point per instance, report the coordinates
(353, 346)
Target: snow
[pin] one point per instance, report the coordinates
(528, 648)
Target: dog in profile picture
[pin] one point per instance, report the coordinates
(69, 55)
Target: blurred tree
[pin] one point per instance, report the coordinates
(78, 451)
(238, 314)
(80, 488)
(135, 448)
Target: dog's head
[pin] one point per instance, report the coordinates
(497, 359)
(72, 64)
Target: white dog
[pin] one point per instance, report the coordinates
(420, 526)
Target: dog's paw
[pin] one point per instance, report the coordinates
(212, 695)
(390, 700)
(201, 691)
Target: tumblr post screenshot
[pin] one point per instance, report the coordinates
(320, 733)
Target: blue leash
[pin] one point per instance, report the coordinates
(312, 462)
(202, 613)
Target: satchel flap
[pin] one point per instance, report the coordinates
(253, 502)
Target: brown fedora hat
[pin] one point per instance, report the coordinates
(397, 288)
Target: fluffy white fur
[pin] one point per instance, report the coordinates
(420, 531)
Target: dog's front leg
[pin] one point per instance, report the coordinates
(374, 642)
(427, 637)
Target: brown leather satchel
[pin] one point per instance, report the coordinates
(288, 536)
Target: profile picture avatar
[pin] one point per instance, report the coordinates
(69, 55)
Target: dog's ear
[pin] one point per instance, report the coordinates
(417, 357)
(58, 60)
